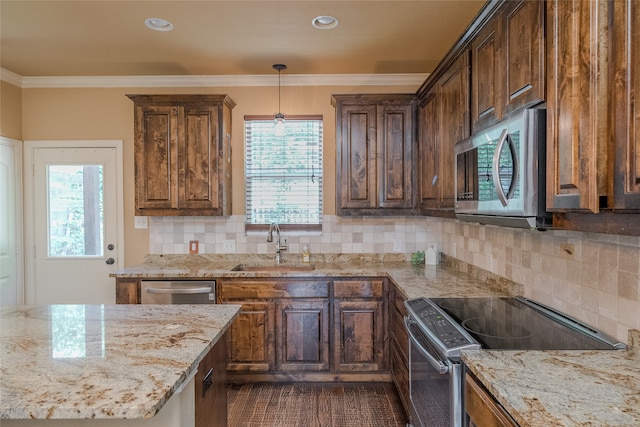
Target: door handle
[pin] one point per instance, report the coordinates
(110, 261)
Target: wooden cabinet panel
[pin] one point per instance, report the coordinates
(251, 338)
(182, 154)
(374, 154)
(359, 336)
(576, 104)
(507, 70)
(372, 288)
(444, 121)
(156, 157)
(302, 335)
(486, 75)
(483, 409)
(358, 156)
(127, 291)
(625, 46)
(396, 152)
(524, 50)
(261, 289)
(211, 388)
(200, 189)
(399, 348)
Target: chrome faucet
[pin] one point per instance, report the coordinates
(279, 247)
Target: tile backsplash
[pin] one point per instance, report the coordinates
(171, 235)
(592, 277)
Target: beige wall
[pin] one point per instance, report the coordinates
(10, 111)
(79, 113)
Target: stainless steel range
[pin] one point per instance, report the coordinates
(440, 328)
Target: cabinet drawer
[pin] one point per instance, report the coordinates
(265, 289)
(358, 288)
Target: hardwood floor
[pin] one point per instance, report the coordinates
(314, 405)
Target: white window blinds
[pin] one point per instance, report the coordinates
(283, 175)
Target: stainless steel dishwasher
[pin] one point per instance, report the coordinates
(178, 292)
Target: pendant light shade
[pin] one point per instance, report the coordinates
(278, 118)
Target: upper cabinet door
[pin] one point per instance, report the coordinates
(182, 154)
(576, 104)
(487, 69)
(395, 149)
(374, 154)
(156, 156)
(357, 156)
(524, 75)
(507, 60)
(200, 165)
(625, 47)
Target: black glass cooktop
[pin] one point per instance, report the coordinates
(513, 324)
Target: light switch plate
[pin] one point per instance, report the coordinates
(141, 222)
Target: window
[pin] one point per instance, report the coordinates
(283, 175)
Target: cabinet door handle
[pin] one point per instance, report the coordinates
(208, 379)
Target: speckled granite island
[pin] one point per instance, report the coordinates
(123, 364)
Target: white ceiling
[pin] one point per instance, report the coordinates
(240, 37)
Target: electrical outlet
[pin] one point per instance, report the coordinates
(397, 246)
(141, 222)
(229, 247)
(193, 247)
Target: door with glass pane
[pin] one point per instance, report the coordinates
(75, 225)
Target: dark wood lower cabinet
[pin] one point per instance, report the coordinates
(483, 409)
(399, 349)
(302, 337)
(211, 388)
(308, 330)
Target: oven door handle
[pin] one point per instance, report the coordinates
(438, 365)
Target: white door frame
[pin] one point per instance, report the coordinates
(17, 145)
(29, 214)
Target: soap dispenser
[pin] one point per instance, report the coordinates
(305, 254)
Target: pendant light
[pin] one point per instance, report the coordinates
(278, 118)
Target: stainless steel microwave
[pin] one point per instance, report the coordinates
(500, 173)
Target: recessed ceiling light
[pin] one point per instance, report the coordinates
(158, 24)
(324, 22)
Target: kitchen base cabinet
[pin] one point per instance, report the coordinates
(399, 348)
(127, 291)
(302, 337)
(482, 408)
(251, 338)
(359, 318)
(307, 330)
(211, 388)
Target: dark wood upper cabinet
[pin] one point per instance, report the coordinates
(507, 62)
(625, 48)
(577, 104)
(182, 146)
(374, 154)
(443, 120)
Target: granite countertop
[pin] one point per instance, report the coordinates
(538, 388)
(562, 388)
(441, 280)
(102, 361)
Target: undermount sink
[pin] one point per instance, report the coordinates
(274, 267)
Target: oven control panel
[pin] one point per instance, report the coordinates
(437, 324)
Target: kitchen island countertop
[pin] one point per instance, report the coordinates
(102, 361)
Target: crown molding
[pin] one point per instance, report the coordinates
(213, 81)
(10, 77)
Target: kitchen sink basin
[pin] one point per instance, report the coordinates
(274, 267)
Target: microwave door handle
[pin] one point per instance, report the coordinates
(496, 168)
(516, 168)
(438, 365)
